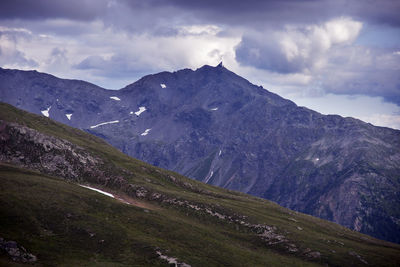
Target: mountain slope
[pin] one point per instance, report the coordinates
(216, 127)
(155, 212)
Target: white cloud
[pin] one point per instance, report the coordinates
(311, 61)
(11, 55)
(298, 62)
(386, 120)
(296, 48)
(5, 30)
(369, 109)
(128, 55)
(343, 30)
(361, 70)
(199, 29)
(112, 57)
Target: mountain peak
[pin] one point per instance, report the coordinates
(220, 66)
(219, 128)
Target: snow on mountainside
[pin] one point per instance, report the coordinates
(149, 216)
(217, 127)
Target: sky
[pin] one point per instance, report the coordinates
(333, 56)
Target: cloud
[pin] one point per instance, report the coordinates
(297, 48)
(325, 59)
(131, 16)
(369, 109)
(163, 15)
(274, 13)
(382, 12)
(130, 55)
(10, 55)
(57, 61)
(363, 70)
(45, 9)
(111, 57)
(91, 62)
(386, 120)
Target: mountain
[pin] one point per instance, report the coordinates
(218, 128)
(69, 199)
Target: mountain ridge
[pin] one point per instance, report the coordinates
(127, 87)
(160, 217)
(215, 126)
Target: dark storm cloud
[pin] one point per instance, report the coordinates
(133, 16)
(275, 12)
(262, 25)
(119, 65)
(295, 49)
(380, 12)
(42, 9)
(151, 13)
(363, 71)
(266, 54)
(256, 13)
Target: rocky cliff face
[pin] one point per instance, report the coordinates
(28, 148)
(216, 127)
(16, 252)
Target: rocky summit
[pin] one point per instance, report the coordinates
(216, 127)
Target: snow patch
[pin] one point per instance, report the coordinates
(220, 152)
(98, 190)
(172, 260)
(141, 109)
(209, 177)
(103, 123)
(214, 109)
(68, 116)
(317, 159)
(46, 112)
(131, 112)
(163, 85)
(115, 98)
(146, 132)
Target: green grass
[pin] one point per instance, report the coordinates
(67, 225)
(55, 219)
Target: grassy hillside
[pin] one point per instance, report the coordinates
(65, 224)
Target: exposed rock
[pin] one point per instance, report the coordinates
(31, 149)
(336, 168)
(314, 254)
(155, 196)
(216, 214)
(268, 234)
(272, 238)
(139, 191)
(339, 242)
(292, 248)
(172, 261)
(16, 252)
(51, 154)
(352, 253)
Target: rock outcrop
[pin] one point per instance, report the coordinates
(216, 127)
(16, 252)
(28, 148)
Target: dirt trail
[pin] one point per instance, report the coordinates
(123, 198)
